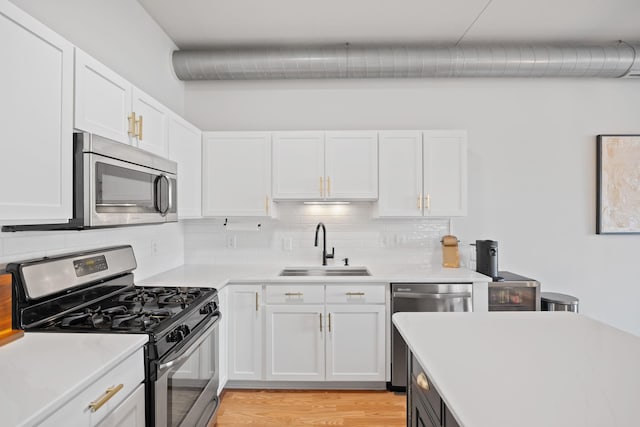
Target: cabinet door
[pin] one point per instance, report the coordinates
(445, 173)
(298, 165)
(400, 174)
(36, 106)
(129, 413)
(295, 342)
(237, 174)
(103, 100)
(355, 343)
(244, 314)
(223, 339)
(153, 117)
(351, 165)
(185, 148)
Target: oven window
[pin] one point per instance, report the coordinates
(123, 190)
(187, 384)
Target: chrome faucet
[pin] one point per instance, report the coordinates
(325, 255)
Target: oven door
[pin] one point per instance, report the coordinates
(123, 193)
(186, 391)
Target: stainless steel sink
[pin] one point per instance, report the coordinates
(325, 271)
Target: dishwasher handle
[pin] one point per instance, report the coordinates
(420, 295)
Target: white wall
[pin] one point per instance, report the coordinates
(120, 34)
(532, 155)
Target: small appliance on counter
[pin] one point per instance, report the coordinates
(487, 258)
(514, 293)
(450, 252)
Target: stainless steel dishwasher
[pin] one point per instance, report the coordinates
(421, 297)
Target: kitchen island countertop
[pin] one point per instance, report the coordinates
(528, 369)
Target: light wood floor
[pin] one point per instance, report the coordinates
(271, 408)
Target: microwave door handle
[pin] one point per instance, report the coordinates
(160, 193)
(169, 195)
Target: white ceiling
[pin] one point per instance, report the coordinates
(202, 23)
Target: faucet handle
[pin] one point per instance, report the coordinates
(332, 254)
(346, 262)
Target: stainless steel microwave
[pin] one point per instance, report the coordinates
(115, 184)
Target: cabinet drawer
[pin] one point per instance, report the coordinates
(424, 388)
(129, 373)
(294, 294)
(356, 294)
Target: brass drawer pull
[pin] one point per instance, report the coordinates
(293, 294)
(422, 381)
(131, 118)
(329, 322)
(108, 394)
(320, 321)
(355, 294)
(328, 186)
(257, 303)
(139, 125)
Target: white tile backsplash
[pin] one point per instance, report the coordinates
(168, 240)
(351, 229)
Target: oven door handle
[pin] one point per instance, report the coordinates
(417, 295)
(182, 357)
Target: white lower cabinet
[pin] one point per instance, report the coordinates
(129, 413)
(245, 322)
(113, 399)
(355, 343)
(325, 333)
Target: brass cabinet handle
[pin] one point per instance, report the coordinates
(293, 294)
(329, 322)
(328, 186)
(320, 322)
(353, 294)
(108, 394)
(131, 119)
(427, 202)
(266, 204)
(139, 125)
(321, 187)
(257, 305)
(420, 202)
(422, 381)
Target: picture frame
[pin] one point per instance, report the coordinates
(618, 184)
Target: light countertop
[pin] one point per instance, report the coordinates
(42, 371)
(217, 276)
(528, 369)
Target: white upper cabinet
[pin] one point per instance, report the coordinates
(36, 105)
(110, 106)
(445, 173)
(103, 100)
(400, 174)
(325, 165)
(185, 148)
(298, 165)
(236, 174)
(423, 173)
(351, 165)
(151, 119)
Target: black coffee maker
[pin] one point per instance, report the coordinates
(487, 259)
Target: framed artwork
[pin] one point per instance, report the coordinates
(618, 199)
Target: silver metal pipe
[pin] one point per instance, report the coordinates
(412, 61)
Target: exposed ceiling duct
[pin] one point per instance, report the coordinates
(392, 61)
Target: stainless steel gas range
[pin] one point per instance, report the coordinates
(94, 291)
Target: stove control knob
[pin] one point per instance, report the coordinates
(178, 334)
(206, 309)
